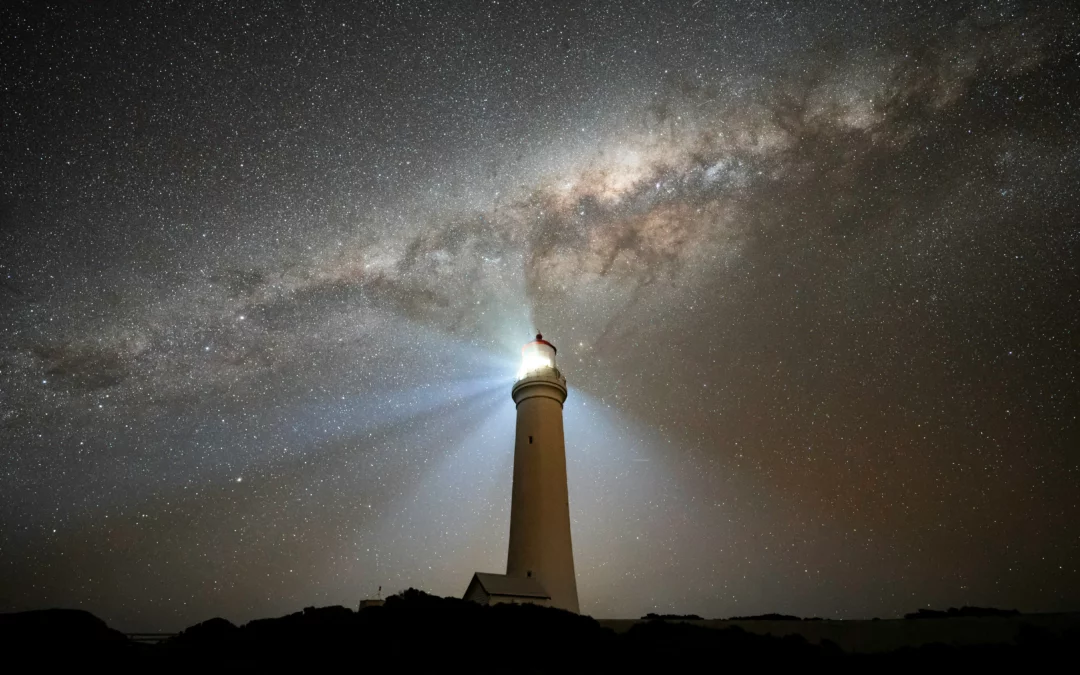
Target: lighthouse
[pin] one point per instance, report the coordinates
(540, 506)
(540, 561)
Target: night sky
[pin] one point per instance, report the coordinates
(812, 270)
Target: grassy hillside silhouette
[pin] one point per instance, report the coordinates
(415, 631)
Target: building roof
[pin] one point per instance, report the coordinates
(500, 584)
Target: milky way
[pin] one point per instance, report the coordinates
(811, 269)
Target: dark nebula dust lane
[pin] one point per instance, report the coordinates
(811, 268)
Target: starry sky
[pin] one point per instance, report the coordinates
(812, 269)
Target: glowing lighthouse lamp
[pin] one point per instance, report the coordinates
(535, 356)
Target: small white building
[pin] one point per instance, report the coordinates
(494, 589)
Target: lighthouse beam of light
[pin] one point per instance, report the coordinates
(379, 447)
(460, 459)
(454, 514)
(630, 500)
(351, 417)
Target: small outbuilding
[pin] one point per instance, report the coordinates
(494, 589)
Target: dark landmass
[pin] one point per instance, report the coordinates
(63, 625)
(419, 632)
(671, 617)
(953, 612)
(772, 617)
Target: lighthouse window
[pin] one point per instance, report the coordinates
(530, 440)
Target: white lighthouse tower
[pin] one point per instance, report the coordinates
(540, 562)
(540, 507)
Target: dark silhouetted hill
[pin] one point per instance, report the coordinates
(57, 633)
(671, 617)
(216, 633)
(412, 631)
(772, 617)
(953, 613)
(417, 632)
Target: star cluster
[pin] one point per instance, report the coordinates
(811, 269)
